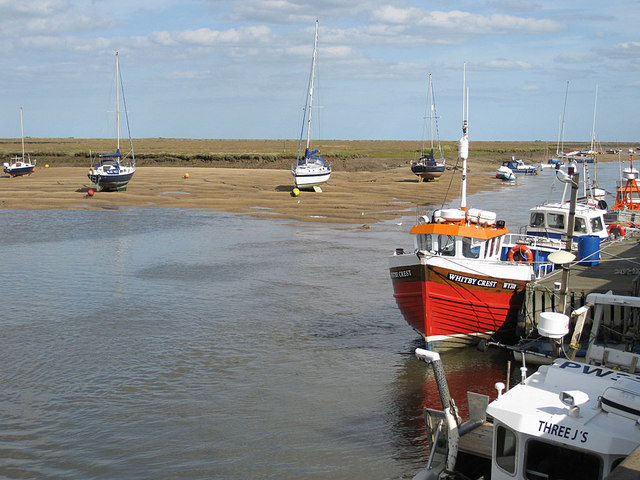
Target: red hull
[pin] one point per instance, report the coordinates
(453, 310)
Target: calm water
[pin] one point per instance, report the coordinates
(163, 343)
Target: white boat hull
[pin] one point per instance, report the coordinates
(310, 175)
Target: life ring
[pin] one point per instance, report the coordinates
(524, 254)
(616, 231)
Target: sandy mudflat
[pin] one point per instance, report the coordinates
(349, 197)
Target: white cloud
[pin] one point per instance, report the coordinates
(207, 37)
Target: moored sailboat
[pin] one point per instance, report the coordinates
(310, 170)
(21, 165)
(427, 167)
(111, 173)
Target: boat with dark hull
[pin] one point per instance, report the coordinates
(427, 167)
(112, 172)
(21, 165)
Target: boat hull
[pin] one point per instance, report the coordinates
(310, 175)
(452, 309)
(426, 172)
(110, 181)
(19, 171)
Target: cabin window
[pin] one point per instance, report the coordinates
(556, 220)
(506, 448)
(489, 249)
(471, 247)
(447, 245)
(537, 219)
(547, 460)
(596, 224)
(425, 242)
(580, 226)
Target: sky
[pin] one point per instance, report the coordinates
(240, 68)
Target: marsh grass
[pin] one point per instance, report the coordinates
(350, 155)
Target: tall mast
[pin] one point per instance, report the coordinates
(117, 103)
(463, 144)
(593, 130)
(22, 133)
(431, 111)
(560, 145)
(313, 70)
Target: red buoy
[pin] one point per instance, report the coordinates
(91, 192)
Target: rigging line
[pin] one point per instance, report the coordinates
(455, 167)
(126, 116)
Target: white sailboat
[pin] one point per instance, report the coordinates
(310, 170)
(110, 173)
(21, 165)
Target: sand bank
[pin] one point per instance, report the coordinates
(349, 197)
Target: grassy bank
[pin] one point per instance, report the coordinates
(345, 155)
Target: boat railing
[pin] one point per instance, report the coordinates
(540, 246)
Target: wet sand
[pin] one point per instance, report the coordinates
(349, 197)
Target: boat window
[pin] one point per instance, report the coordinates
(447, 245)
(580, 226)
(546, 460)
(489, 248)
(556, 220)
(425, 242)
(596, 224)
(537, 219)
(506, 448)
(471, 247)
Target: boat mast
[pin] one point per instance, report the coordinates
(560, 146)
(22, 134)
(117, 104)
(313, 70)
(431, 111)
(463, 144)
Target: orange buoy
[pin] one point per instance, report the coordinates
(186, 175)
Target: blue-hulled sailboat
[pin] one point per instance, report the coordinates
(21, 165)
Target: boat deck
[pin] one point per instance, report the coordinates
(478, 441)
(618, 270)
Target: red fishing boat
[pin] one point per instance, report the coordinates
(457, 287)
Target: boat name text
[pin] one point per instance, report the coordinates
(597, 371)
(480, 282)
(562, 431)
(401, 274)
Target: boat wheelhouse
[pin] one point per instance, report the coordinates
(551, 221)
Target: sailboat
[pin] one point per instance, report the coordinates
(110, 173)
(427, 167)
(310, 170)
(456, 288)
(21, 165)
